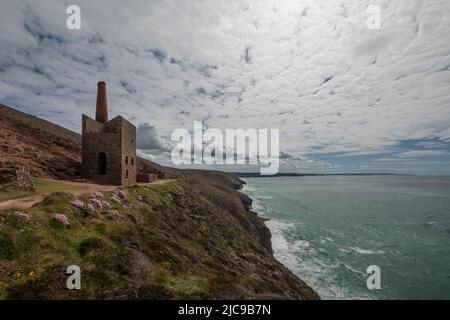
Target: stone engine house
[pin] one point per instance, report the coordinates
(108, 147)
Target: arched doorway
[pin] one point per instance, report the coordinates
(102, 163)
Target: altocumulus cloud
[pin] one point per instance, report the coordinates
(341, 94)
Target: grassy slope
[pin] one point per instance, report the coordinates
(173, 243)
(41, 186)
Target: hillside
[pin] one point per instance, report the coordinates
(193, 237)
(48, 150)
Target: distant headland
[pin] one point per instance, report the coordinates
(294, 174)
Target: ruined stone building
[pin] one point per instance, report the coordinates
(108, 147)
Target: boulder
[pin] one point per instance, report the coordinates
(13, 174)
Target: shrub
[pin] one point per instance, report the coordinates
(60, 219)
(7, 249)
(116, 199)
(166, 265)
(90, 244)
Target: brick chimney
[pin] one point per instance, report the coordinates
(101, 114)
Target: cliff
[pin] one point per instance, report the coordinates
(192, 236)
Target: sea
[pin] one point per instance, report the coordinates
(329, 230)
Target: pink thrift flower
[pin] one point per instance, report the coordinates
(98, 195)
(78, 203)
(90, 208)
(96, 203)
(122, 194)
(23, 215)
(62, 218)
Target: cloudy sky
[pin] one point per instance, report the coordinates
(345, 98)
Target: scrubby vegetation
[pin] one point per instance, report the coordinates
(143, 242)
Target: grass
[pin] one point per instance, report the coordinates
(48, 185)
(164, 241)
(41, 186)
(29, 250)
(9, 193)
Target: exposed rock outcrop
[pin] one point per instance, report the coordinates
(12, 174)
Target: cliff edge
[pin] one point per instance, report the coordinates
(190, 236)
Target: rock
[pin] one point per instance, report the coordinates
(12, 174)
(246, 201)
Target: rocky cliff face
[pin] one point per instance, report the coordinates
(192, 238)
(12, 174)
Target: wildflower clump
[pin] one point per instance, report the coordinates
(23, 215)
(89, 209)
(98, 195)
(62, 218)
(78, 204)
(121, 194)
(96, 203)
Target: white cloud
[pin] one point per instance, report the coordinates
(423, 153)
(310, 67)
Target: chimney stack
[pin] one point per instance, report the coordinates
(101, 114)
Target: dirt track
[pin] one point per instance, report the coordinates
(75, 188)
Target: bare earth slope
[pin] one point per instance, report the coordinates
(192, 238)
(47, 149)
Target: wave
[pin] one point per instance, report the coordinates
(363, 251)
(303, 258)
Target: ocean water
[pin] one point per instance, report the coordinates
(329, 229)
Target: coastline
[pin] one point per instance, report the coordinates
(297, 252)
(255, 207)
(301, 249)
(294, 252)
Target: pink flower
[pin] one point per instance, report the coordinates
(123, 194)
(23, 215)
(77, 203)
(62, 218)
(96, 203)
(98, 195)
(89, 208)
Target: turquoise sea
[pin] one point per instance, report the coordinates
(329, 229)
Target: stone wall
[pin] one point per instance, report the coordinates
(128, 153)
(146, 177)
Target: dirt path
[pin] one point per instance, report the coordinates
(75, 188)
(26, 202)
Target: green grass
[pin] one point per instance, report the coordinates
(95, 243)
(41, 186)
(47, 185)
(9, 193)
(164, 241)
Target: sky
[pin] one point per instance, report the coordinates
(345, 97)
